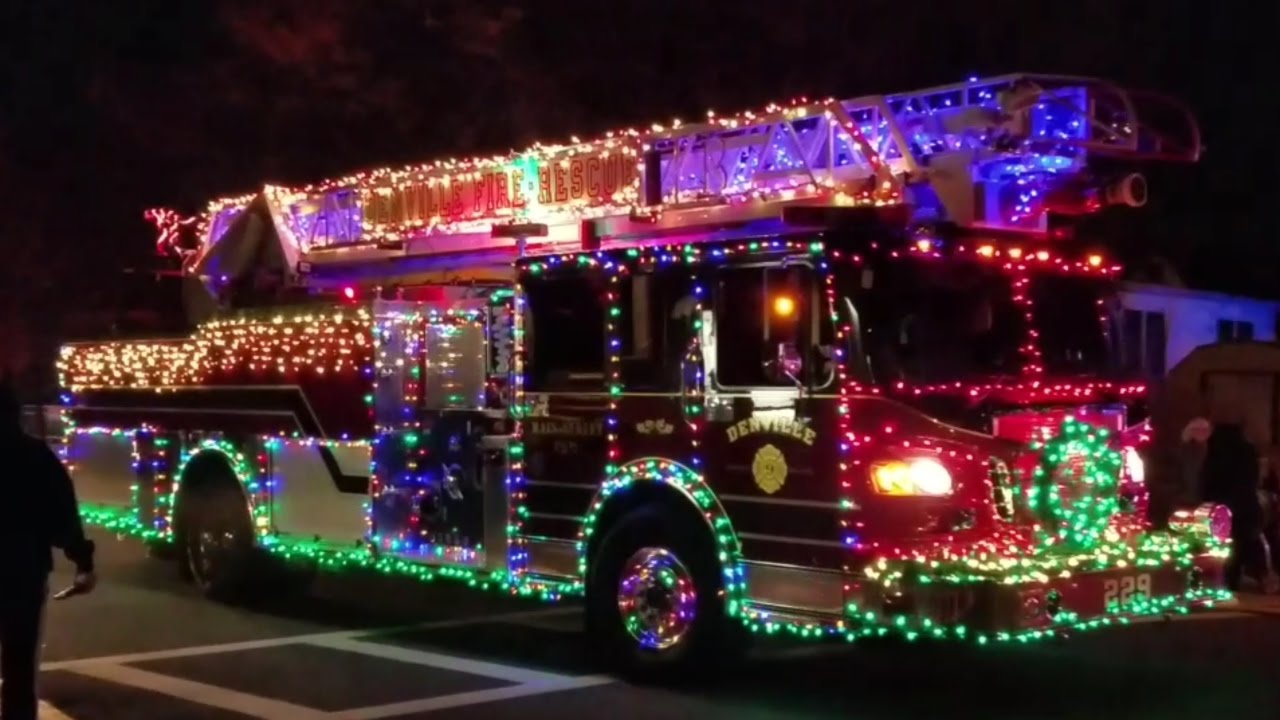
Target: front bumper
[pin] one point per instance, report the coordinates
(1072, 600)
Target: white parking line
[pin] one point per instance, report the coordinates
(447, 662)
(525, 683)
(243, 645)
(211, 695)
(465, 699)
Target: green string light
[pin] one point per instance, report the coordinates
(1073, 493)
(1078, 508)
(692, 486)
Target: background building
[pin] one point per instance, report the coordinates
(1163, 321)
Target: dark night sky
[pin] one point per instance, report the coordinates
(107, 108)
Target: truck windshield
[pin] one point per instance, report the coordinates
(1074, 319)
(928, 322)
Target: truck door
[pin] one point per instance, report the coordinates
(563, 428)
(764, 421)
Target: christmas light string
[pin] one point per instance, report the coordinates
(1011, 557)
(569, 182)
(248, 475)
(517, 484)
(309, 342)
(1020, 263)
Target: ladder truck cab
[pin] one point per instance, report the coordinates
(834, 368)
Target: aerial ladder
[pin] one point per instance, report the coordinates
(994, 155)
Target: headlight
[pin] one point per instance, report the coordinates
(1134, 467)
(922, 476)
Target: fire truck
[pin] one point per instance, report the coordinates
(833, 368)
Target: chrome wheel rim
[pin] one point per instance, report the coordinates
(210, 547)
(656, 598)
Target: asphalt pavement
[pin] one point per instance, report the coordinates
(145, 646)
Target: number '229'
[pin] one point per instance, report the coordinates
(1124, 590)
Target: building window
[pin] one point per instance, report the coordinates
(1154, 343)
(1145, 342)
(1234, 331)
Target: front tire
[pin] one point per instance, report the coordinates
(655, 597)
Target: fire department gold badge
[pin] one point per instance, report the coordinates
(769, 469)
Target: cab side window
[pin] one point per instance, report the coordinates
(564, 337)
(654, 328)
(765, 326)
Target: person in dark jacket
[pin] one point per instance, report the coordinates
(1231, 478)
(1269, 494)
(38, 511)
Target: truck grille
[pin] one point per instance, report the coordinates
(1002, 491)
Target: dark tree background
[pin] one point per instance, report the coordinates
(107, 108)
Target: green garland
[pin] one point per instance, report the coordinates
(1077, 509)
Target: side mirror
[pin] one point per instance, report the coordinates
(789, 358)
(787, 363)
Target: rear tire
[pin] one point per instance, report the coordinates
(655, 604)
(219, 549)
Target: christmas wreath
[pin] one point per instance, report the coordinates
(1075, 488)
